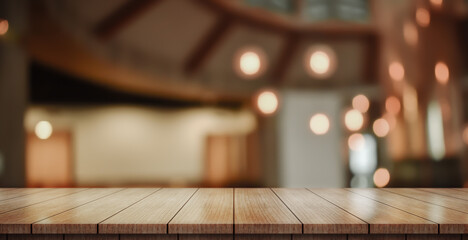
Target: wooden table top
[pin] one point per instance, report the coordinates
(233, 211)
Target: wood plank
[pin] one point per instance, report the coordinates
(447, 192)
(35, 237)
(85, 219)
(148, 237)
(209, 211)
(27, 200)
(377, 237)
(91, 237)
(20, 220)
(18, 192)
(260, 211)
(382, 218)
(263, 237)
(319, 237)
(433, 237)
(318, 215)
(151, 215)
(206, 236)
(450, 221)
(444, 201)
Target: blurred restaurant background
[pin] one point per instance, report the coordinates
(234, 93)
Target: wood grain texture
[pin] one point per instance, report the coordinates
(84, 219)
(209, 211)
(91, 237)
(27, 200)
(382, 218)
(18, 192)
(151, 215)
(263, 237)
(148, 237)
(441, 200)
(433, 237)
(319, 237)
(206, 236)
(448, 192)
(377, 237)
(35, 237)
(450, 221)
(20, 220)
(318, 215)
(260, 211)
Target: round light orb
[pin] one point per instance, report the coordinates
(267, 102)
(361, 103)
(423, 17)
(356, 142)
(354, 120)
(393, 105)
(396, 71)
(442, 73)
(43, 130)
(320, 61)
(410, 33)
(381, 177)
(437, 3)
(381, 127)
(319, 124)
(4, 25)
(250, 62)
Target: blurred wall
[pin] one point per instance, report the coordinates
(126, 145)
(307, 159)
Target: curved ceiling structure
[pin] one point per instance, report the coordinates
(184, 49)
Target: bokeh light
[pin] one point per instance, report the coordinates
(381, 127)
(423, 17)
(356, 141)
(4, 25)
(396, 71)
(320, 61)
(267, 102)
(319, 124)
(381, 177)
(410, 33)
(354, 120)
(441, 72)
(43, 130)
(393, 105)
(437, 3)
(361, 103)
(250, 62)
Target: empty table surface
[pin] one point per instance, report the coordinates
(233, 211)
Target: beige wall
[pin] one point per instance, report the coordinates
(136, 145)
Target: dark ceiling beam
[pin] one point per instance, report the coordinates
(288, 50)
(122, 17)
(208, 45)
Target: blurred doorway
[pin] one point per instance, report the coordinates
(49, 161)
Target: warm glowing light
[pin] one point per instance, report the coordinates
(361, 103)
(267, 102)
(320, 61)
(354, 120)
(465, 135)
(356, 142)
(391, 120)
(442, 72)
(250, 62)
(410, 103)
(410, 33)
(396, 71)
(437, 3)
(423, 17)
(381, 177)
(43, 129)
(319, 124)
(393, 105)
(381, 127)
(3, 26)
